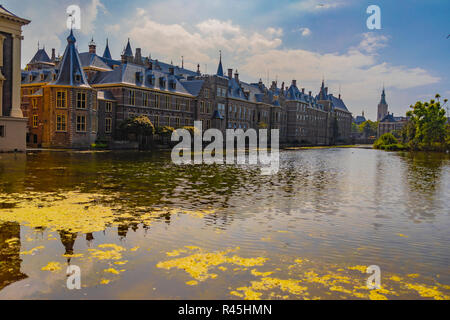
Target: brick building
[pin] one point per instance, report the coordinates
(112, 91)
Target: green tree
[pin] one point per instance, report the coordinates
(430, 124)
(139, 126)
(369, 128)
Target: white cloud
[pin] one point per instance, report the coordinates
(372, 42)
(304, 31)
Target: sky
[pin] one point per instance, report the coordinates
(306, 40)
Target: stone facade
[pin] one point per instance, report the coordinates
(12, 122)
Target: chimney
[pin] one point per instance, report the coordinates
(303, 90)
(230, 73)
(310, 93)
(294, 83)
(339, 96)
(53, 55)
(282, 86)
(171, 70)
(138, 56)
(150, 65)
(92, 46)
(236, 76)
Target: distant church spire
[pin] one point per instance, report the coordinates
(382, 106)
(220, 68)
(128, 52)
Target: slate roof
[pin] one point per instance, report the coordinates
(388, 118)
(140, 76)
(93, 61)
(193, 86)
(70, 66)
(360, 119)
(235, 90)
(41, 56)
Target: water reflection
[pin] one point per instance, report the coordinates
(331, 207)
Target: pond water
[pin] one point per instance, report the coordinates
(140, 227)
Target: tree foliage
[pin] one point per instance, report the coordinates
(140, 126)
(368, 128)
(427, 128)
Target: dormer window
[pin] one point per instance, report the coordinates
(151, 79)
(77, 76)
(42, 77)
(172, 85)
(139, 76)
(162, 82)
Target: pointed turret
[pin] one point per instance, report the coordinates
(107, 53)
(220, 68)
(128, 52)
(70, 70)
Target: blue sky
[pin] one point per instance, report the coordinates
(284, 40)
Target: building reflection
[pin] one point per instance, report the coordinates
(10, 261)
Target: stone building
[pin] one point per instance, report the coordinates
(388, 123)
(12, 121)
(169, 95)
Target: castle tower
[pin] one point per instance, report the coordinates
(382, 107)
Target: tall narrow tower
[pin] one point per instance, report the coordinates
(382, 107)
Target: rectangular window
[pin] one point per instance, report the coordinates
(34, 103)
(81, 123)
(168, 106)
(2, 131)
(81, 100)
(131, 97)
(61, 123)
(94, 124)
(156, 124)
(35, 121)
(178, 104)
(157, 101)
(167, 121)
(145, 99)
(108, 125)
(202, 106)
(61, 99)
(177, 122)
(208, 124)
(108, 106)
(187, 122)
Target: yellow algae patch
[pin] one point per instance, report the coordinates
(267, 239)
(299, 261)
(135, 249)
(362, 269)
(113, 271)
(105, 281)
(267, 283)
(396, 278)
(260, 274)
(427, 292)
(340, 289)
(222, 268)
(402, 235)
(175, 253)
(73, 211)
(113, 254)
(32, 251)
(52, 266)
(413, 275)
(120, 263)
(192, 283)
(76, 255)
(198, 264)
(374, 295)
